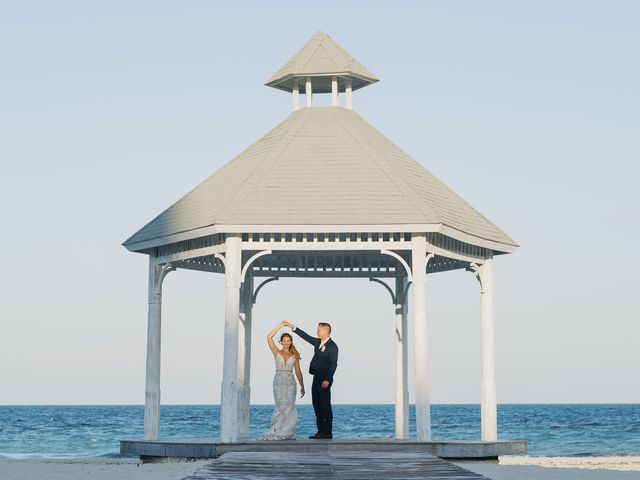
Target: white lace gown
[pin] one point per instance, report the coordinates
(285, 415)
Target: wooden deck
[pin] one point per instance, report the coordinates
(331, 466)
(213, 448)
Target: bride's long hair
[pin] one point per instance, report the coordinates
(292, 348)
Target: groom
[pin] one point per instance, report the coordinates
(323, 365)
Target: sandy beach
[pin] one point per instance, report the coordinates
(558, 468)
(508, 468)
(94, 469)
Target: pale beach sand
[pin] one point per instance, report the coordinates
(619, 462)
(508, 468)
(558, 468)
(94, 469)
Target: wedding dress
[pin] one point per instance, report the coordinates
(285, 416)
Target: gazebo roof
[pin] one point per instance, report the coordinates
(321, 57)
(322, 166)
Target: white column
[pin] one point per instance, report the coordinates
(296, 97)
(244, 354)
(488, 401)
(347, 96)
(157, 272)
(152, 384)
(402, 349)
(229, 405)
(308, 92)
(334, 91)
(420, 344)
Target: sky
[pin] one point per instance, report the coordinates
(111, 111)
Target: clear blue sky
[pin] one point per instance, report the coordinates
(110, 111)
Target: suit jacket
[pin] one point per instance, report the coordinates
(324, 363)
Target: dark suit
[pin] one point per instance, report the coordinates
(322, 366)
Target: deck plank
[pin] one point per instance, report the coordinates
(331, 466)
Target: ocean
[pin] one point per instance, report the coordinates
(94, 430)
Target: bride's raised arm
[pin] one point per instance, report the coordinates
(271, 334)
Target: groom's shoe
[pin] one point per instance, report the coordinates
(326, 436)
(316, 436)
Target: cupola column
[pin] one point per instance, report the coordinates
(334, 91)
(296, 97)
(309, 92)
(348, 102)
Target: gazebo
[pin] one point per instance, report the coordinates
(323, 194)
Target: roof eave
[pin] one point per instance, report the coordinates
(145, 245)
(281, 83)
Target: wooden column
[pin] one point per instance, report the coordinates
(402, 349)
(229, 427)
(309, 92)
(348, 103)
(420, 344)
(296, 97)
(157, 272)
(334, 91)
(488, 401)
(244, 354)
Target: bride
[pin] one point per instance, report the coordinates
(285, 416)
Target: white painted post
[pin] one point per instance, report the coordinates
(152, 384)
(334, 91)
(157, 272)
(402, 349)
(420, 344)
(296, 97)
(488, 400)
(347, 97)
(244, 354)
(309, 92)
(229, 405)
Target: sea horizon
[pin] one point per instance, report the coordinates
(551, 429)
(271, 404)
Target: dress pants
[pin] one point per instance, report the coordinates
(321, 398)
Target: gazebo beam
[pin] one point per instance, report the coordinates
(254, 297)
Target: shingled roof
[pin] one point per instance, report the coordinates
(320, 166)
(321, 56)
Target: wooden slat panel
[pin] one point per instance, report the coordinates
(331, 466)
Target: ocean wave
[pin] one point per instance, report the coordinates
(92, 431)
(59, 456)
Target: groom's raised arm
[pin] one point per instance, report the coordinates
(305, 336)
